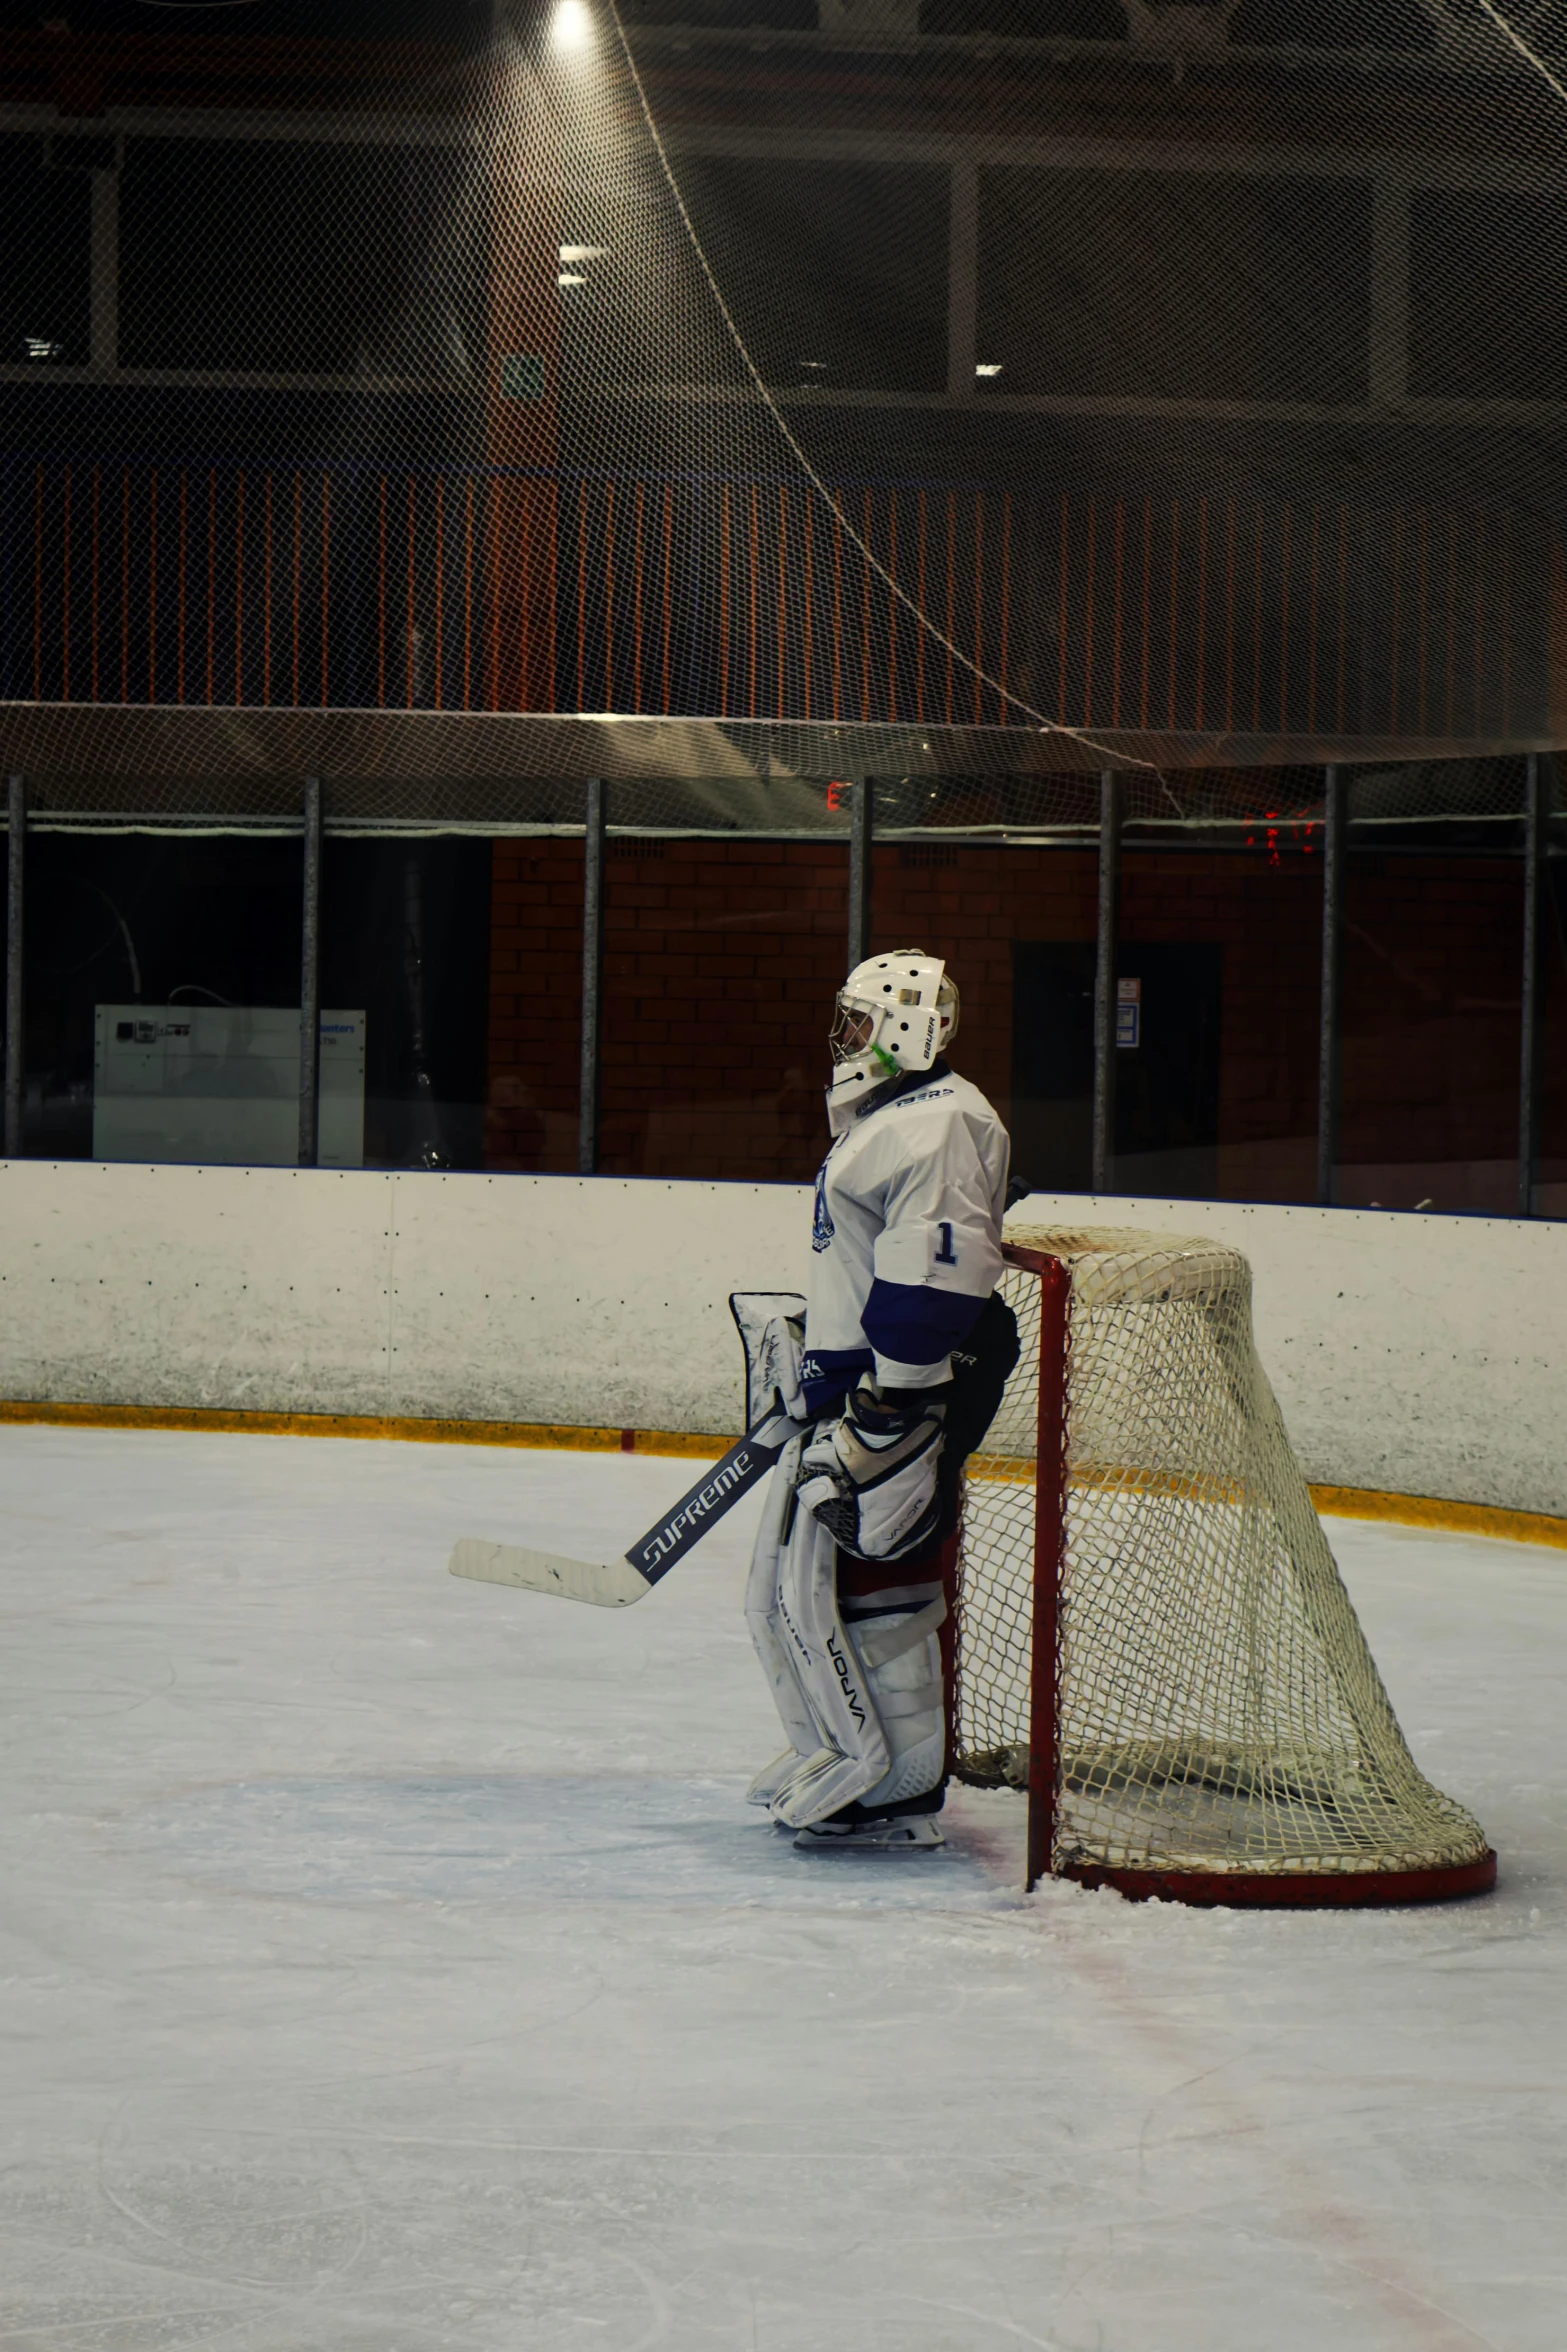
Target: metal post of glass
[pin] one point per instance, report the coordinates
(16, 844)
(1537, 803)
(310, 981)
(1102, 1175)
(1330, 1040)
(592, 973)
(862, 830)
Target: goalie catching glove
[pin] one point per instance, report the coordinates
(870, 1480)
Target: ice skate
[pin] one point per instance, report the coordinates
(886, 1833)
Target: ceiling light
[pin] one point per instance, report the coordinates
(989, 367)
(572, 27)
(571, 278)
(583, 252)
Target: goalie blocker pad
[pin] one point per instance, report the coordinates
(886, 1479)
(872, 1479)
(771, 1324)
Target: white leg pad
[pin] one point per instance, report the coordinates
(772, 1776)
(902, 1656)
(851, 1753)
(779, 1658)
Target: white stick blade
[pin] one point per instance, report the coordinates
(612, 1584)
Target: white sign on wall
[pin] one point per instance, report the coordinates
(218, 1085)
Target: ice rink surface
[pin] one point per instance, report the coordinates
(389, 1963)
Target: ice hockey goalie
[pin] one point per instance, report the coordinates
(894, 1365)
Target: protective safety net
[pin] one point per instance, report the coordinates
(1219, 1710)
(1179, 384)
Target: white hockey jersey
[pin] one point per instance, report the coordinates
(907, 1237)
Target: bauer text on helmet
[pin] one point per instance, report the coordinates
(896, 1012)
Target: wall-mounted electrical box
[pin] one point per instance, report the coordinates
(219, 1085)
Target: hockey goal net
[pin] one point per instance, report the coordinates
(1153, 1637)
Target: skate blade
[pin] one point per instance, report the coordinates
(919, 1833)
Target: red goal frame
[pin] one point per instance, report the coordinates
(1313, 1890)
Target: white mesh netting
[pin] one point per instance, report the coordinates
(932, 364)
(1219, 1709)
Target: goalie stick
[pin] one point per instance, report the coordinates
(615, 1584)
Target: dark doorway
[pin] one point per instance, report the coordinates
(1167, 1084)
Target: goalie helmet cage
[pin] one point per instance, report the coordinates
(1153, 1637)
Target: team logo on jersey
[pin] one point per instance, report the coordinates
(822, 1226)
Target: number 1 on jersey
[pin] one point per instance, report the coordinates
(946, 1255)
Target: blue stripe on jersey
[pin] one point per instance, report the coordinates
(915, 1323)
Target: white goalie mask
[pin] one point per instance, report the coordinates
(897, 1012)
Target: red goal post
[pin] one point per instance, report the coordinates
(1153, 1638)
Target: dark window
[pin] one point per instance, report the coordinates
(1026, 20)
(147, 921)
(1173, 285)
(1335, 24)
(45, 265)
(1488, 295)
(83, 151)
(296, 257)
(836, 272)
(172, 929)
(405, 933)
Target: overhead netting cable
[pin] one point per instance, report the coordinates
(834, 507)
(1220, 1710)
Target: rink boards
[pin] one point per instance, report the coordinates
(1417, 1355)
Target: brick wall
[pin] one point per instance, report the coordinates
(721, 960)
(1431, 1031)
(720, 963)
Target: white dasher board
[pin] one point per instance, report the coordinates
(218, 1085)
